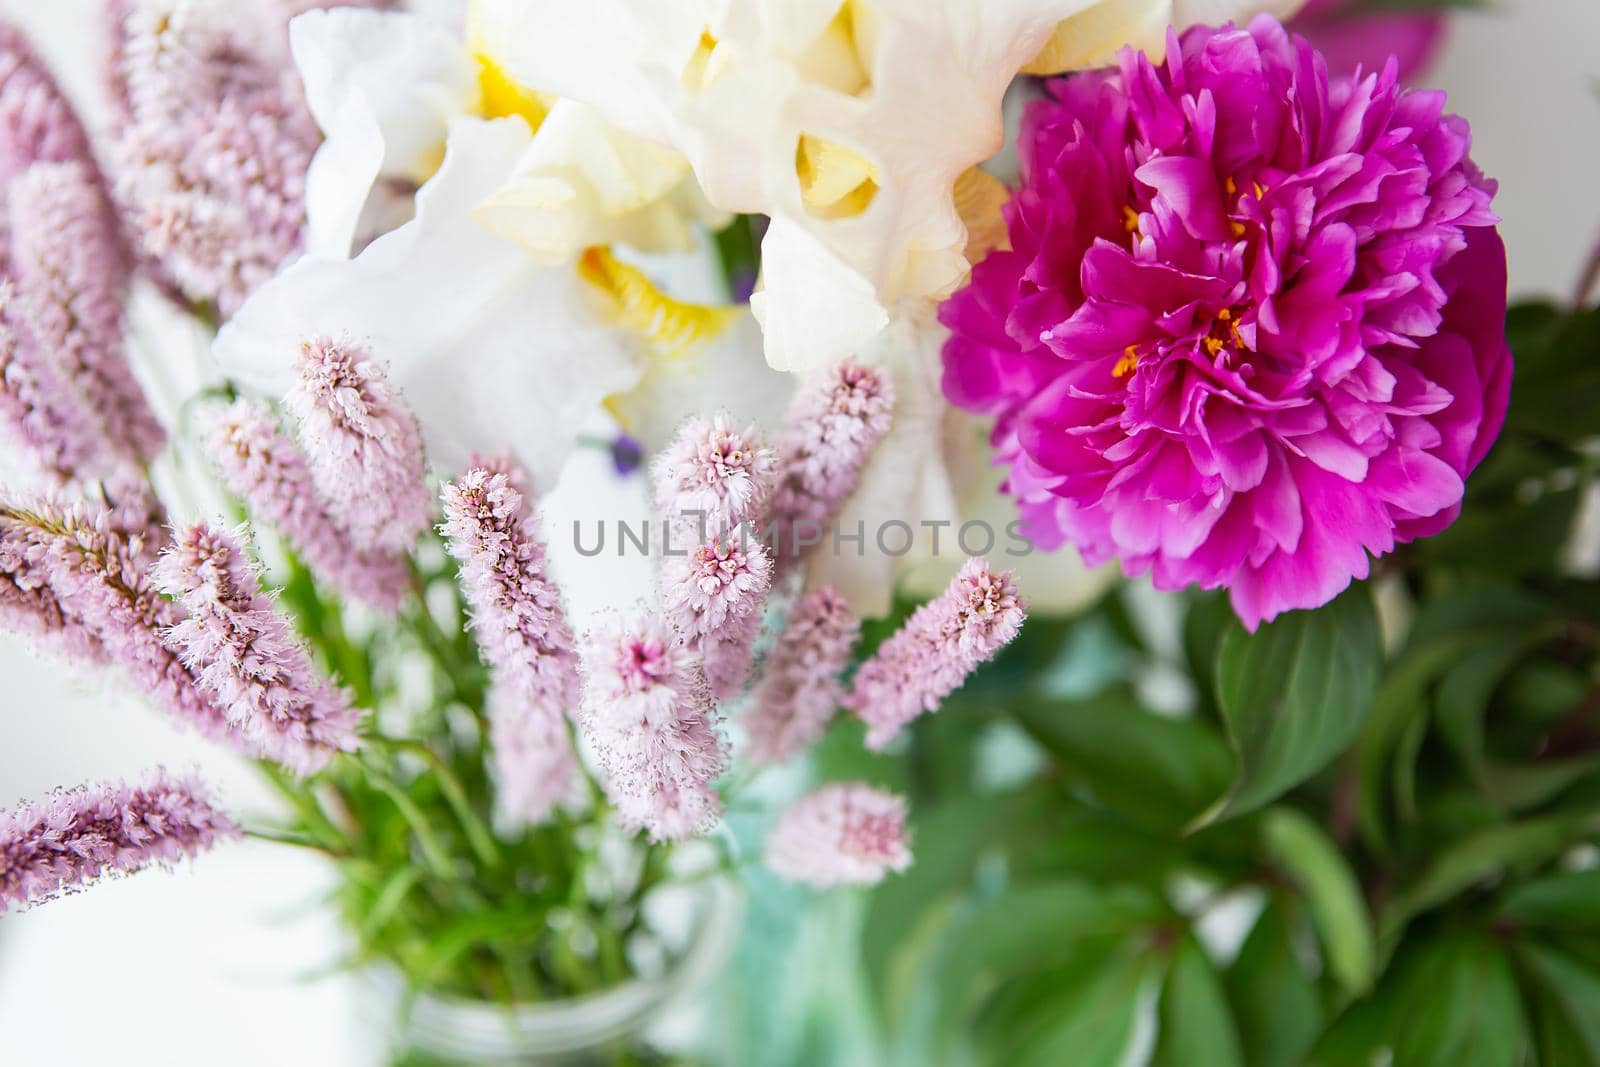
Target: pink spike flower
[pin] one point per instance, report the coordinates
(648, 715)
(834, 421)
(67, 264)
(37, 124)
(714, 597)
(212, 144)
(92, 573)
(799, 689)
(31, 609)
(362, 444)
(522, 632)
(245, 655)
(75, 837)
(942, 643)
(263, 466)
(712, 470)
(39, 413)
(845, 833)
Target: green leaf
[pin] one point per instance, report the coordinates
(1564, 997)
(1274, 1000)
(1196, 1023)
(1332, 894)
(1158, 771)
(1096, 1021)
(1294, 694)
(1449, 1002)
(1030, 928)
(1482, 856)
(1565, 902)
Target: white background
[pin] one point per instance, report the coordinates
(201, 966)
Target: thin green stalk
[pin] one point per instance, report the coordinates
(436, 856)
(478, 835)
(294, 840)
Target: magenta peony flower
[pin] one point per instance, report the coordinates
(1250, 327)
(1350, 33)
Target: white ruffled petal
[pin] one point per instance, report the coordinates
(814, 308)
(492, 349)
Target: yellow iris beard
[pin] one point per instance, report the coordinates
(671, 327)
(503, 95)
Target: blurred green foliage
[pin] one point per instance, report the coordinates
(1362, 835)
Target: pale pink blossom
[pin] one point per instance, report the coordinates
(362, 444)
(835, 420)
(845, 833)
(523, 634)
(244, 653)
(712, 477)
(800, 686)
(942, 643)
(91, 570)
(66, 262)
(714, 596)
(38, 412)
(648, 715)
(211, 144)
(74, 837)
(263, 466)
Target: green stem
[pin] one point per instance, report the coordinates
(436, 856)
(478, 835)
(295, 840)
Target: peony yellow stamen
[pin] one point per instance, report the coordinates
(1130, 219)
(1125, 366)
(835, 182)
(671, 327)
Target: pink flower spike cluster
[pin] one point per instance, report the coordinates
(942, 643)
(78, 836)
(845, 833)
(714, 597)
(261, 465)
(712, 477)
(363, 444)
(245, 655)
(522, 632)
(648, 715)
(67, 392)
(211, 144)
(94, 579)
(835, 421)
(800, 689)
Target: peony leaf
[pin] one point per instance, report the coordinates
(1293, 695)
(1331, 891)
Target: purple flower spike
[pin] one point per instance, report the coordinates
(713, 477)
(648, 714)
(211, 146)
(362, 444)
(799, 689)
(262, 466)
(834, 422)
(714, 597)
(36, 122)
(38, 411)
(244, 654)
(845, 833)
(75, 837)
(92, 571)
(523, 634)
(1250, 330)
(929, 657)
(67, 265)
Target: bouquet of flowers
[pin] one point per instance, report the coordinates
(1220, 308)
